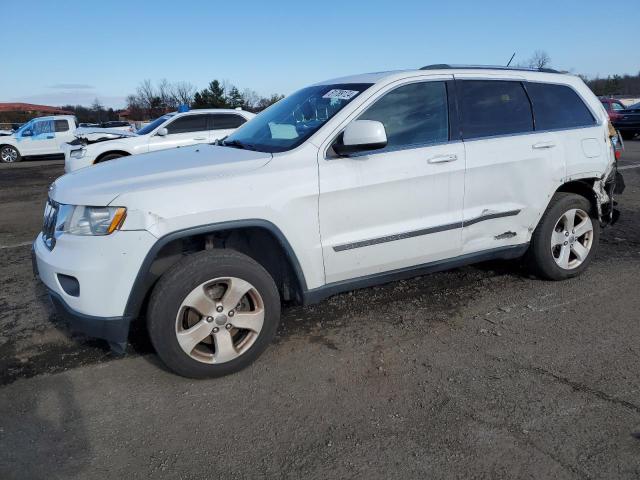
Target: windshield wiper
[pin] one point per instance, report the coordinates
(236, 144)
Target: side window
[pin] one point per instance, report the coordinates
(558, 106)
(616, 107)
(606, 106)
(188, 123)
(42, 127)
(414, 114)
(222, 121)
(61, 126)
(493, 107)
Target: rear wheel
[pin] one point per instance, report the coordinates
(213, 314)
(9, 154)
(566, 238)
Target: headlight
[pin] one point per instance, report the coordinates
(82, 220)
(79, 153)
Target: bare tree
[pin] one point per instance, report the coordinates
(251, 99)
(539, 59)
(183, 92)
(146, 93)
(165, 94)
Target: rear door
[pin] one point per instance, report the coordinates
(511, 169)
(182, 131)
(223, 124)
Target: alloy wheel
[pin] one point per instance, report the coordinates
(572, 238)
(9, 154)
(220, 320)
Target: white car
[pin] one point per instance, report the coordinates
(169, 131)
(344, 184)
(39, 137)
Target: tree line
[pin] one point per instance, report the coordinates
(151, 100)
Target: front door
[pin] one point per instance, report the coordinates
(42, 140)
(400, 206)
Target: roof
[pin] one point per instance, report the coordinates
(443, 69)
(31, 107)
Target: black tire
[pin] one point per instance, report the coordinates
(181, 279)
(539, 257)
(110, 156)
(9, 154)
(628, 135)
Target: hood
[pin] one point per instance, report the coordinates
(101, 184)
(92, 135)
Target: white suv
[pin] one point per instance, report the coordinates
(169, 131)
(343, 184)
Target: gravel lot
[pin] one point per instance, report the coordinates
(480, 372)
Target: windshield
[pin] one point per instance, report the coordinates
(155, 124)
(24, 127)
(288, 123)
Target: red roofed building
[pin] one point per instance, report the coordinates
(17, 112)
(31, 108)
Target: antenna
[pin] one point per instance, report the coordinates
(511, 59)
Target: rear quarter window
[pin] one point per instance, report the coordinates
(62, 126)
(557, 107)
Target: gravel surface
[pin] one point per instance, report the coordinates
(479, 372)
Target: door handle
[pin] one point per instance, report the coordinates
(443, 158)
(200, 138)
(50, 137)
(543, 145)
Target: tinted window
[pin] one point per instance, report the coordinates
(491, 107)
(558, 106)
(226, 121)
(414, 114)
(188, 123)
(62, 126)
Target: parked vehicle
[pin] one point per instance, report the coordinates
(169, 131)
(624, 119)
(5, 132)
(344, 184)
(118, 125)
(39, 137)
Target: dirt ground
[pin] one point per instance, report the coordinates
(480, 372)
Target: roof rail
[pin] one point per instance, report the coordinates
(444, 66)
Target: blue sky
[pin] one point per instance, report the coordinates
(74, 51)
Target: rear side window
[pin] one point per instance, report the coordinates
(226, 121)
(493, 107)
(188, 123)
(616, 107)
(61, 126)
(558, 106)
(414, 114)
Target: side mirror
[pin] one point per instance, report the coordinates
(163, 132)
(27, 133)
(361, 135)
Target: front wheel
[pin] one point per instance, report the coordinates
(9, 154)
(564, 242)
(213, 313)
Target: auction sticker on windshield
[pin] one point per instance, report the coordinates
(341, 94)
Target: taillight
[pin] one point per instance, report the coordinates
(618, 154)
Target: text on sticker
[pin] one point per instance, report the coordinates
(341, 94)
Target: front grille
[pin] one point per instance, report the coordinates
(50, 221)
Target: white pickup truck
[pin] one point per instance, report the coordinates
(39, 137)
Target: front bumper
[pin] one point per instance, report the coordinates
(105, 269)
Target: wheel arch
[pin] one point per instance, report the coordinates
(582, 187)
(256, 238)
(99, 158)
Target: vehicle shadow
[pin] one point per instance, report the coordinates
(42, 432)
